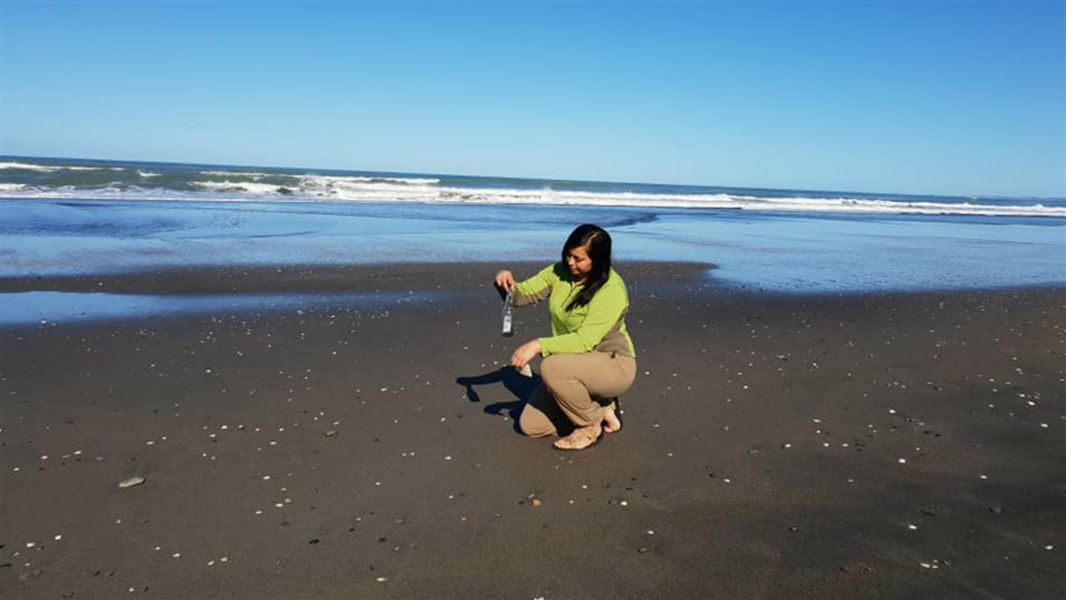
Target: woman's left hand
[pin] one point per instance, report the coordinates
(525, 353)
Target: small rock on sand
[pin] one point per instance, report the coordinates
(132, 481)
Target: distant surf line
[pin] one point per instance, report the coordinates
(109, 180)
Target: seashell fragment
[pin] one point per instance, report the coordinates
(132, 481)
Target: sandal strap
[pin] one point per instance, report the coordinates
(586, 439)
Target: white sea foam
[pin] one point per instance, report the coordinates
(53, 168)
(324, 188)
(242, 187)
(370, 188)
(251, 174)
(12, 187)
(147, 173)
(125, 193)
(312, 179)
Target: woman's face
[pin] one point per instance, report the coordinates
(579, 263)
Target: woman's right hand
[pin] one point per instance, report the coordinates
(505, 281)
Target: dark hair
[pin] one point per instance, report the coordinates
(599, 244)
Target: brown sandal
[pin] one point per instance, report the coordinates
(582, 438)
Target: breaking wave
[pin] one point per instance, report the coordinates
(171, 182)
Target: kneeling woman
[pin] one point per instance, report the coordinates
(589, 359)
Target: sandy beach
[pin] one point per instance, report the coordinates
(888, 445)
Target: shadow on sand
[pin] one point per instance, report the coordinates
(520, 386)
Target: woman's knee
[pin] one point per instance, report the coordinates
(553, 368)
(534, 423)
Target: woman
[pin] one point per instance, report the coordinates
(589, 359)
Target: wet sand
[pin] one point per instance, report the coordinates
(886, 445)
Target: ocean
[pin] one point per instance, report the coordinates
(83, 217)
(27, 177)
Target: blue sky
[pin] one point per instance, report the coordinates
(908, 97)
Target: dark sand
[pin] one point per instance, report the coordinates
(761, 455)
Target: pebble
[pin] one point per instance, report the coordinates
(132, 481)
(902, 461)
(537, 503)
(381, 579)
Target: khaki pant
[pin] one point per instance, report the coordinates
(573, 387)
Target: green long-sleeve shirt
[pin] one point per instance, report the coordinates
(599, 325)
